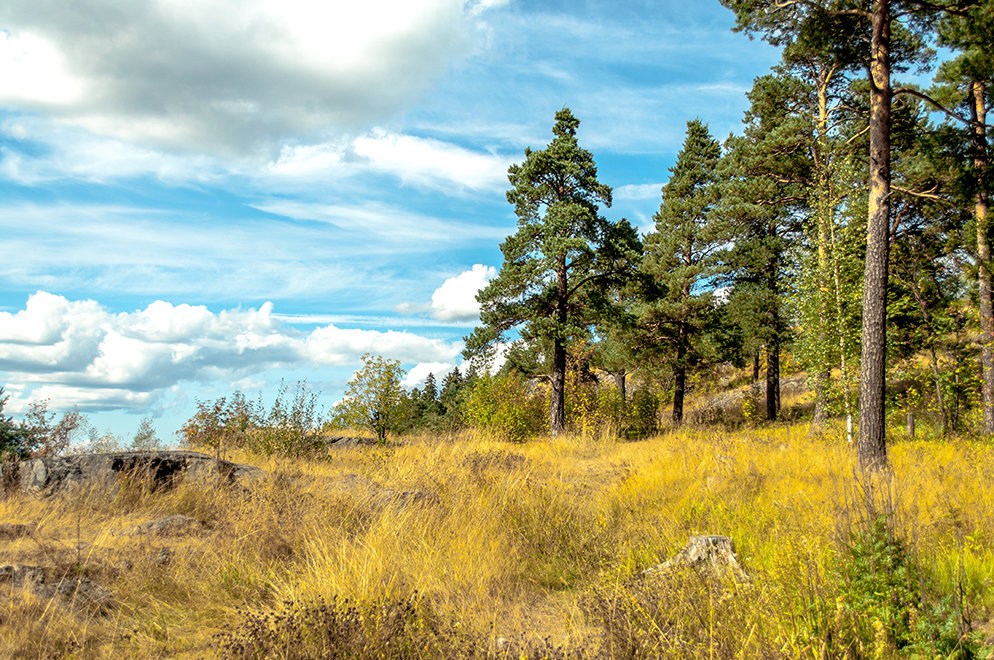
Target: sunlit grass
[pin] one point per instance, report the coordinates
(521, 540)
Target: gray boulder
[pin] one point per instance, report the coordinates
(159, 469)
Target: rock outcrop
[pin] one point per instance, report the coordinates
(367, 490)
(159, 468)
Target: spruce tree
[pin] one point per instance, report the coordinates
(560, 263)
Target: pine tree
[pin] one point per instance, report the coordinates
(765, 188)
(680, 256)
(559, 264)
(893, 29)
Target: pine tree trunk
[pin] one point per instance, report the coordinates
(773, 379)
(557, 402)
(755, 367)
(679, 376)
(982, 216)
(872, 448)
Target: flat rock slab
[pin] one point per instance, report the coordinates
(168, 526)
(159, 468)
(368, 490)
(341, 441)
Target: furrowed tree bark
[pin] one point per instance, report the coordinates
(557, 403)
(679, 376)
(982, 217)
(773, 379)
(872, 448)
(620, 379)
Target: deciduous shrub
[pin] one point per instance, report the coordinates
(503, 406)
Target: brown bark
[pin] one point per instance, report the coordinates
(620, 379)
(755, 367)
(982, 216)
(773, 379)
(679, 375)
(557, 401)
(872, 448)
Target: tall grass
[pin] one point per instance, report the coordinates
(541, 543)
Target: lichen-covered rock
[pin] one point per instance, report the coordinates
(159, 468)
(77, 592)
(20, 575)
(363, 489)
(341, 441)
(168, 526)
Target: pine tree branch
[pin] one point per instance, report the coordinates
(938, 106)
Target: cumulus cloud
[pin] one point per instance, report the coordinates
(419, 372)
(455, 300)
(79, 353)
(231, 77)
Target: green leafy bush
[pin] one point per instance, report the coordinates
(502, 405)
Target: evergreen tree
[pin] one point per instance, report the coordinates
(680, 256)
(15, 441)
(964, 94)
(766, 174)
(559, 264)
(893, 30)
(145, 438)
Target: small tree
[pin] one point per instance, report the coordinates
(146, 438)
(14, 439)
(372, 399)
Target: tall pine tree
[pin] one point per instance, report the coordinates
(680, 256)
(561, 262)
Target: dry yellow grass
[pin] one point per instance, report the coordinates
(522, 537)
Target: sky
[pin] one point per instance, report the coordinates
(204, 196)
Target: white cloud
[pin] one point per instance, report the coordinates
(385, 223)
(455, 300)
(431, 162)
(330, 345)
(637, 192)
(72, 152)
(225, 76)
(419, 372)
(78, 353)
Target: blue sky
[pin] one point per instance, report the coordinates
(200, 196)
